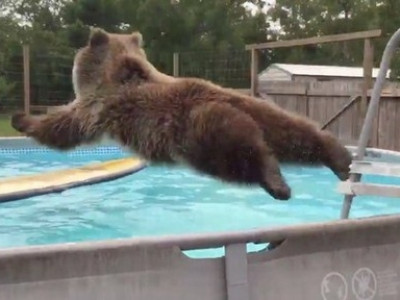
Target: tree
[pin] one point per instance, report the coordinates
(322, 17)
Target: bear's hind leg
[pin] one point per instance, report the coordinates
(273, 182)
(227, 143)
(334, 155)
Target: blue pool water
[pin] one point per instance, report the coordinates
(161, 201)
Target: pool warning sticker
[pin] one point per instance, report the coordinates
(334, 287)
(364, 284)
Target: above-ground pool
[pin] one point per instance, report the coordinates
(162, 201)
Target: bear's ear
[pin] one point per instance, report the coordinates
(98, 37)
(137, 39)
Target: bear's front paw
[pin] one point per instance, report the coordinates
(281, 192)
(20, 122)
(344, 175)
(279, 189)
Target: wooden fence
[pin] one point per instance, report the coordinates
(322, 100)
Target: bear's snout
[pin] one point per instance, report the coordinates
(19, 121)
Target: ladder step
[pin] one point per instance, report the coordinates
(376, 168)
(359, 188)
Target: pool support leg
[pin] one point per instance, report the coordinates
(236, 272)
(371, 113)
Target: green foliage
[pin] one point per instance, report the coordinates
(322, 17)
(5, 90)
(210, 36)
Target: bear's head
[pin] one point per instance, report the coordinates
(102, 59)
(94, 62)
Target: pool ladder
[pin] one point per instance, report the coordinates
(353, 187)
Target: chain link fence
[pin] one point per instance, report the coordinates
(227, 68)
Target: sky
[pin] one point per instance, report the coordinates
(253, 8)
(274, 26)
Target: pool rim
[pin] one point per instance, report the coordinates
(205, 240)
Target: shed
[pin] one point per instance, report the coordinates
(310, 73)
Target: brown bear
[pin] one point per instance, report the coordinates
(214, 130)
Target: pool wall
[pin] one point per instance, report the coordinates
(316, 261)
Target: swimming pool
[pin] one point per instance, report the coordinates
(161, 201)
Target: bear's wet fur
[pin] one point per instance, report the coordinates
(217, 131)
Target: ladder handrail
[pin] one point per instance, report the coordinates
(371, 113)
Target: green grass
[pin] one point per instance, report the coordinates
(5, 127)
